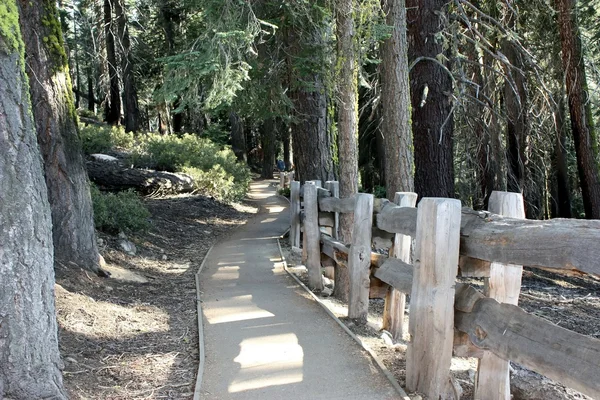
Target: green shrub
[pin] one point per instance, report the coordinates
(101, 138)
(214, 168)
(285, 192)
(123, 211)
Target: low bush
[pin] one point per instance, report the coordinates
(285, 192)
(214, 168)
(115, 212)
(102, 138)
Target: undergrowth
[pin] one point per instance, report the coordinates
(213, 166)
(116, 212)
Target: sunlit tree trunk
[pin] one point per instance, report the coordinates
(395, 102)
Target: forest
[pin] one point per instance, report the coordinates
(444, 98)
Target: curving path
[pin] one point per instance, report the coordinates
(264, 337)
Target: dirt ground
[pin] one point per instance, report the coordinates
(570, 302)
(134, 335)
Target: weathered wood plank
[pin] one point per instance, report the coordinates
(334, 189)
(295, 214)
(397, 219)
(312, 234)
(558, 243)
(473, 267)
(359, 258)
(333, 204)
(533, 342)
(326, 219)
(503, 285)
(397, 274)
(431, 324)
(395, 301)
(463, 347)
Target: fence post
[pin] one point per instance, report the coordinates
(431, 323)
(395, 301)
(359, 258)
(504, 285)
(312, 234)
(295, 214)
(281, 179)
(334, 189)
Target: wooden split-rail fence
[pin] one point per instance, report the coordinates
(446, 317)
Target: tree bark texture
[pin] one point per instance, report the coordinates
(586, 144)
(268, 139)
(29, 358)
(130, 98)
(515, 99)
(113, 107)
(311, 142)
(561, 202)
(395, 102)
(238, 137)
(347, 109)
(431, 96)
(74, 233)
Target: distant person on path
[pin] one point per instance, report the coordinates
(280, 165)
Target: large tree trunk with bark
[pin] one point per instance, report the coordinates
(56, 123)
(311, 142)
(130, 98)
(113, 106)
(395, 102)
(586, 142)
(29, 358)
(431, 99)
(347, 109)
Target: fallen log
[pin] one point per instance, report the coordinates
(115, 177)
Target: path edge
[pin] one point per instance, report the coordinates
(199, 312)
(366, 348)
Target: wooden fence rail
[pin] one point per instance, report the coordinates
(446, 316)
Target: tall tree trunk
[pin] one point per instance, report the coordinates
(238, 137)
(90, 91)
(29, 357)
(311, 142)
(431, 99)
(56, 122)
(130, 98)
(286, 142)
(515, 100)
(395, 102)
(584, 136)
(347, 108)
(268, 139)
(113, 107)
(561, 204)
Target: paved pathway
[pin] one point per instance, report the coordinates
(264, 337)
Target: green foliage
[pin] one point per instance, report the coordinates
(214, 168)
(101, 138)
(380, 192)
(285, 192)
(123, 211)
